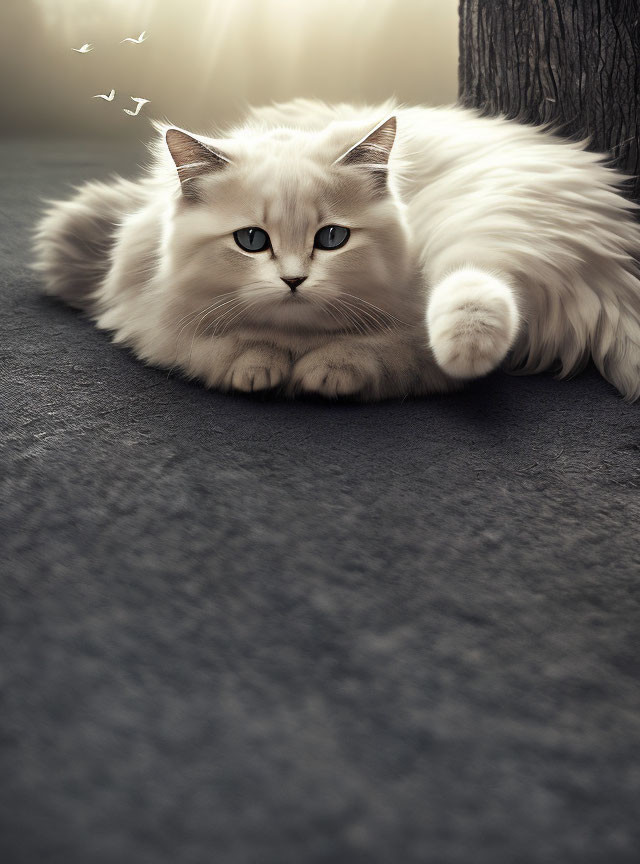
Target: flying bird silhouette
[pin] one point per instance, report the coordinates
(104, 96)
(84, 49)
(141, 38)
(140, 102)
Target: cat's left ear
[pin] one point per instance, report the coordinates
(374, 149)
(193, 158)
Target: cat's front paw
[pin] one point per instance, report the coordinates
(332, 375)
(472, 320)
(257, 369)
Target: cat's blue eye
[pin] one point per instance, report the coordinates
(331, 237)
(252, 239)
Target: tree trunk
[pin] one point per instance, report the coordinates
(573, 62)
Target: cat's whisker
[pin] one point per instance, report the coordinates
(377, 308)
(233, 303)
(236, 301)
(249, 305)
(218, 322)
(352, 315)
(179, 334)
(219, 297)
(193, 337)
(225, 315)
(368, 321)
(191, 316)
(351, 321)
(354, 324)
(354, 298)
(378, 323)
(379, 320)
(342, 329)
(201, 314)
(371, 317)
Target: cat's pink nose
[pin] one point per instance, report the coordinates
(293, 283)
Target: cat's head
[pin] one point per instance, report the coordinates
(289, 228)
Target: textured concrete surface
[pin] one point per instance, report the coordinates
(249, 631)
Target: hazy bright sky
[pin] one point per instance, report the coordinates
(205, 59)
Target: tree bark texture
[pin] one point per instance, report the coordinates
(575, 63)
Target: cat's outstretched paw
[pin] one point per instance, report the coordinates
(332, 376)
(472, 319)
(257, 369)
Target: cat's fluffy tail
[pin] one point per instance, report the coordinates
(73, 239)
(596, 316)
(615, 342)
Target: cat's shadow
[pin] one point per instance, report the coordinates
(481, 403)
(499, 399)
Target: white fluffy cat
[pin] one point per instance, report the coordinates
(369, 252)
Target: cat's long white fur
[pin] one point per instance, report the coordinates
(494, 243)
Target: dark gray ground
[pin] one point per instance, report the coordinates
(241, 632)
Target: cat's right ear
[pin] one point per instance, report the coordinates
(372, 153)
(192, 159)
